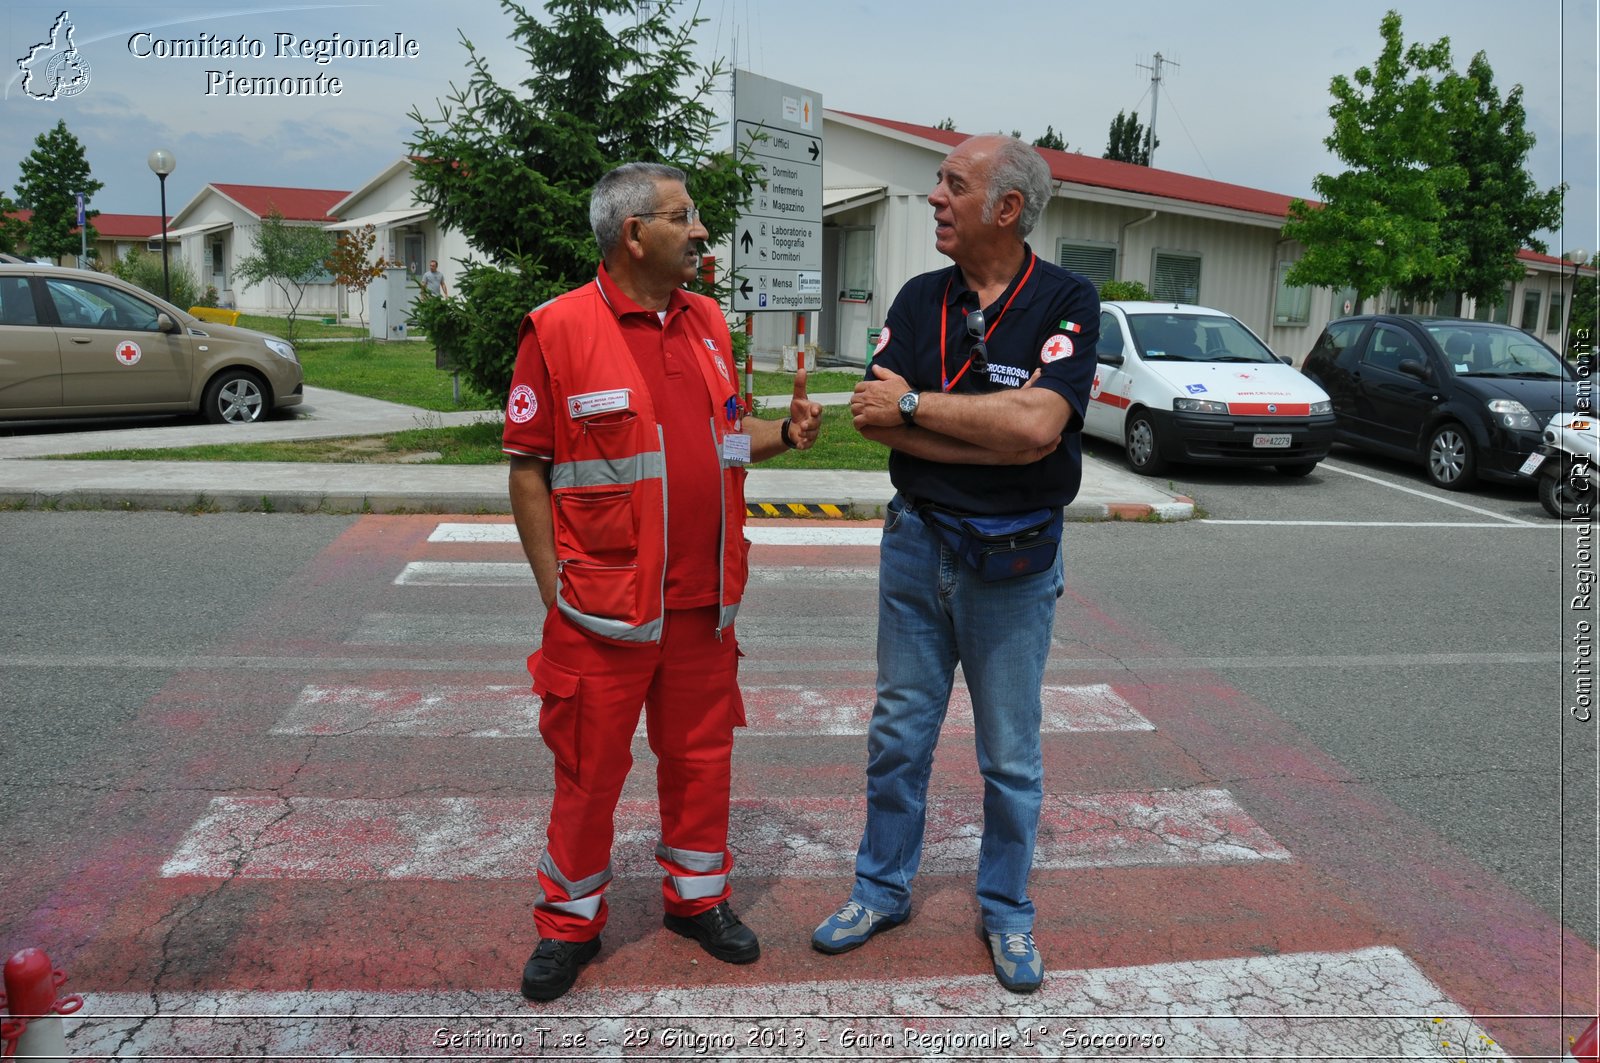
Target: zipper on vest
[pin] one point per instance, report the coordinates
(722, 535)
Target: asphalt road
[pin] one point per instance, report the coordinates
(1374, 670)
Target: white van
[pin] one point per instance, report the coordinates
(1180, 383)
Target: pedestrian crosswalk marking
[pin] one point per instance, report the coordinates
(1360, 1004)
(456, 838)
(863, 534)
(512, 711)
(518, 574)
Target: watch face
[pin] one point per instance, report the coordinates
(908, 402)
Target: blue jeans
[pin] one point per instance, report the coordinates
(934, 611)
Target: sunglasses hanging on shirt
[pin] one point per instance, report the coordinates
(978, 356)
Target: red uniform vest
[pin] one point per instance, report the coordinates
(608, 477)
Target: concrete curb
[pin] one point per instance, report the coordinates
(31, 478)
(342, 501)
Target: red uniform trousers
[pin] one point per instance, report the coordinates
(592, 692)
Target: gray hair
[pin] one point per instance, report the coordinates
(624, 192)
(1017, 166)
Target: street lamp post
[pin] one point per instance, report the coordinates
(163, 163)
(1577, 256)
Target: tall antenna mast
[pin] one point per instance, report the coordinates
(1155, 98)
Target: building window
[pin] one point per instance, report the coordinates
(1530, 310)
(855, 278)
(1175, 278)
(1557, 312)
(1098, 262)
(1345, 302)
(1293, 306)
(1499, 312)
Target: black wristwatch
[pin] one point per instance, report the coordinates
(908, 406)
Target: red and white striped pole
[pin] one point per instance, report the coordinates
(35, 1029)
(750, 362)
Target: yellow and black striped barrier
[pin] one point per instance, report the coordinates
(795, 509)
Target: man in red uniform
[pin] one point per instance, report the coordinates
(628, 447)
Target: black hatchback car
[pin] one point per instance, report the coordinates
(1465, 398)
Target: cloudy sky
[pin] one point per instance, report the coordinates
(1245, 100)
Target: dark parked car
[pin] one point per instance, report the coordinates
(1465, 398)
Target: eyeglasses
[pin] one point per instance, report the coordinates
(687, 215)
(980, 350)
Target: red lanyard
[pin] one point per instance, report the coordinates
(944, 325)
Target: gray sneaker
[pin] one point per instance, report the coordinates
(1017, 962)
(850, 927)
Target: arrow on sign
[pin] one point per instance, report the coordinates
(746, 240)
(814, 151)
(744, 288)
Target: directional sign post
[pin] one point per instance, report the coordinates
(777, 245)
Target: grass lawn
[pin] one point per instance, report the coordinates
(305, 328)
(404, 372)
(838, 447)
(396, 371)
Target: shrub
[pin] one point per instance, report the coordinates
(143, 268)
(1125, 291)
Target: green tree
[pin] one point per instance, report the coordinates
(1498, 209)
(1381, 221)
(1584, 323)
(352, 265)
(288, 256)
(52, 174)
(1129, 141)
(143, 268)
(512, 171)
(13, 230)
(1051, 139)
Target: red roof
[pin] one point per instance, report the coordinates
(126, 226)
(1121, 176)
(295, 204)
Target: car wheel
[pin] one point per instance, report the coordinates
(1560, 496)
(235, 396)
(1452, 462)
(1144, 447)
(1299, 469)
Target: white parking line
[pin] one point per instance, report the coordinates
(456, 839)
(1517, 526)
(1365, 1003)
(1430, 496)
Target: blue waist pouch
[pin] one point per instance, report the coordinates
(1000, 547)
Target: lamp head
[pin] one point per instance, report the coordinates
(162, 162)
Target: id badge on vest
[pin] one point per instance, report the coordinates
(736, 449)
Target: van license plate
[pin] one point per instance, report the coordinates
(1278, 440)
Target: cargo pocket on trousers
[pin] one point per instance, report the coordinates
(559, 708)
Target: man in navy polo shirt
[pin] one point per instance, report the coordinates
(978, 386)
